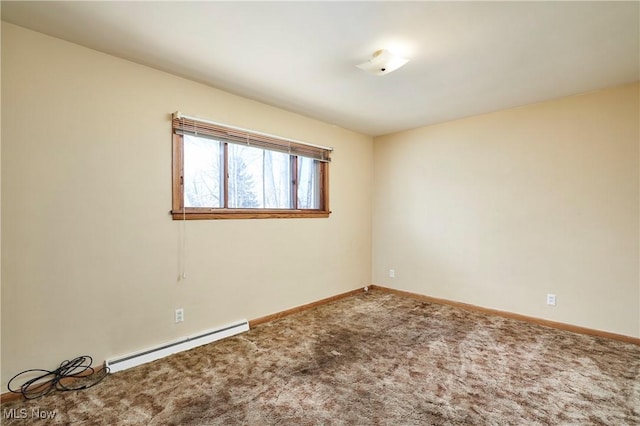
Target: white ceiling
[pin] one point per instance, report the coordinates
(467, 58)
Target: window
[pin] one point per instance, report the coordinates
(222, 172)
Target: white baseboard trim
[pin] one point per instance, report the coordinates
(127, 361)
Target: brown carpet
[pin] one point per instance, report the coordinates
(374, 358)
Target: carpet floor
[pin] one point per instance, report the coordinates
(373, 358)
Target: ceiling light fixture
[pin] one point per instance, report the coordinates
(383, 62)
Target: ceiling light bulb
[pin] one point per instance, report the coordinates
(383, 62)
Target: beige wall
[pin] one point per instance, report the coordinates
(0, 193)
(500, 209)
(90, 253)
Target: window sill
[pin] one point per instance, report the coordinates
(204, 214)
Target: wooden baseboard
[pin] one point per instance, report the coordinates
(278, 315)
(9, 396)
(511, 315)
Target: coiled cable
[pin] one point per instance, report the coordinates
(77, 373)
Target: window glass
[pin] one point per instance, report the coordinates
(202, 172)
(259, 178)
(308, 183)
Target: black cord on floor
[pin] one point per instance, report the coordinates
(78, 372)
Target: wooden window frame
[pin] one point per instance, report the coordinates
(178, 212)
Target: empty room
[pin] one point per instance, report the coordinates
(260, 213)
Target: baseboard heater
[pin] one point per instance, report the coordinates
(152, 354)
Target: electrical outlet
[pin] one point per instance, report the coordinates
(392, 273)
(179, 315)
(551, 299)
